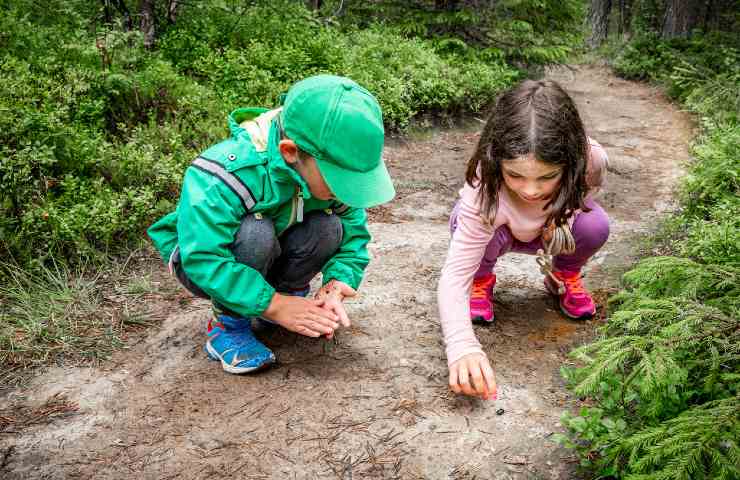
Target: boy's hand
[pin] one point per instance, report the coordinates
(472, 375)
(331, 296)
(301, 315)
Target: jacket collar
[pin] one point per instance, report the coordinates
(279, 170)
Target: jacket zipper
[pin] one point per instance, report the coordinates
(296, 212)
(299, 213)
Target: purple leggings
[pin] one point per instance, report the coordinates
(590, 231)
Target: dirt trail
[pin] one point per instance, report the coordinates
(374, 403)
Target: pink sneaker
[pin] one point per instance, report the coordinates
(481, 299)
(576, 302)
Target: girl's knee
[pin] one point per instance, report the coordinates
(591, 229)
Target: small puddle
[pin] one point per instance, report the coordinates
(558, 330)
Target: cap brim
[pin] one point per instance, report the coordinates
(358, 189)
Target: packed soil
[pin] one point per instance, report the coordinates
(373, 402)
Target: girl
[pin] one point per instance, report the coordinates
(527, 189)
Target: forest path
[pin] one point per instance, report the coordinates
(374, 403)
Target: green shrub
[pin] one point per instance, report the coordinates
(714, 178)
(522, 32)
(657, 277)
(91, 155)
(663, 380)
(661, 360)
(714, 240)
(96, 130)
(703, 71)
(254, 65)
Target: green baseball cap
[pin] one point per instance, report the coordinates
(340, 124)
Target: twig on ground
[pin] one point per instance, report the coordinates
(57, 406)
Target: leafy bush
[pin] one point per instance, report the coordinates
(663, 380)
(670, 352)
(523, 32)
(254, 66)
(96, 130)
(703, 71)
(714, 177)
(711, 198)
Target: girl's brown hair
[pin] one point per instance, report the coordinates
(535, 117)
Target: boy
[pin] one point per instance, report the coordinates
(265, 210)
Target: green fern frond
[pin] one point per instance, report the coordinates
(683, 277)
(699, 443)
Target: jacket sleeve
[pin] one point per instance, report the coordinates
(209, 215)
(349, 262)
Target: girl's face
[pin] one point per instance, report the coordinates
(530, 179)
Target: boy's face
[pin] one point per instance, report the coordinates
(307, 168)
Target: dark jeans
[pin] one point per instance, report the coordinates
(288, 262)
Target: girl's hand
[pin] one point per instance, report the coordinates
(331, 296)
(302, 315)
(472, 375)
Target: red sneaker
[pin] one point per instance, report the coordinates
(481, 299)
(576, 302)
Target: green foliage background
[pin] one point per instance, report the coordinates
(520, 32)
(663, 380)
(96, 130)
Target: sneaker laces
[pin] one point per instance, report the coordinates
(481, 287)
(573, 284)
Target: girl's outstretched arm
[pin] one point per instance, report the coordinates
(467, 247)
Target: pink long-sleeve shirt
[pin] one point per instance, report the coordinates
(468, 245)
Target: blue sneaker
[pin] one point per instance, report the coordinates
(230, 340)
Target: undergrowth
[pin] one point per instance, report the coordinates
(662, 382)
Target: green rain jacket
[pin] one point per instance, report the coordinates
(210, 212)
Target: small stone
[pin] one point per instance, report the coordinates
(408, 420)
(623, 164)
(500, 411)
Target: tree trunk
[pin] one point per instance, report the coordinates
(625, 17)
(681, 16)
(120, 5)
(148, 27)
(315, 4)
(107, 15)
(172, 11)
(449, 5)
(598, 18)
